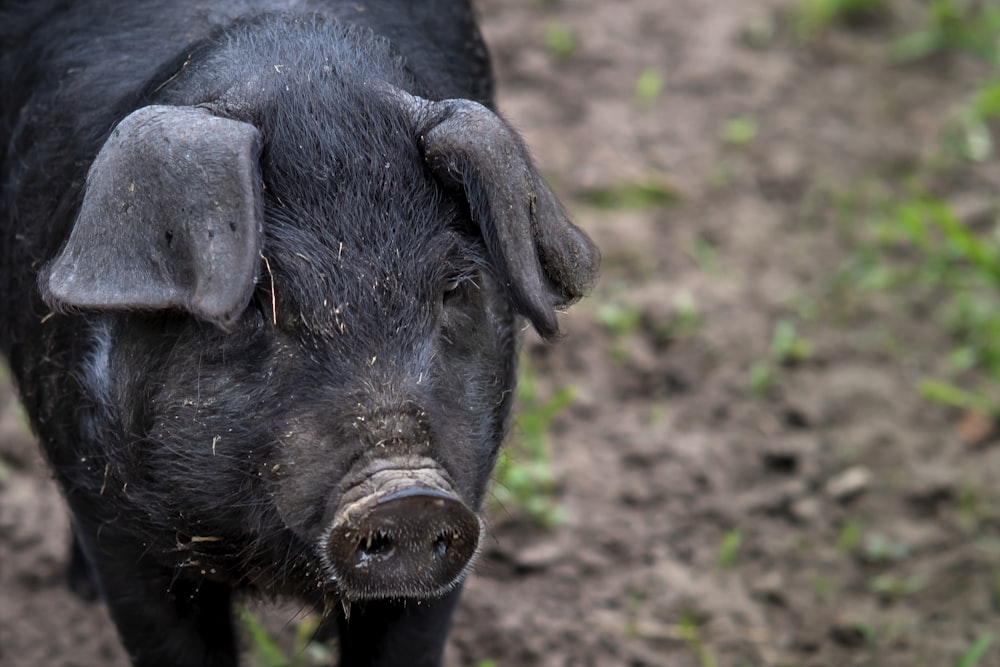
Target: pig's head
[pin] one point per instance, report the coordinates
(306, 329)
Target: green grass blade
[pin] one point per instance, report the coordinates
(948, 394)
(976, 651)
(265, 648)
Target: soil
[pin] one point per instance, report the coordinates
(835, 518)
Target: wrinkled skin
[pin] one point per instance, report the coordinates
(369, 350)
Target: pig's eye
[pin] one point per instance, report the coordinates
(450, 289)
(255, 316)
(458, 289)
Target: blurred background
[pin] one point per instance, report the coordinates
(769, 437)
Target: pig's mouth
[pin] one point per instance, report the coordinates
(402, 532)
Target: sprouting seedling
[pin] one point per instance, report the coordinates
(523, 475)
(560, 40)
(648, 86)
(739, 131)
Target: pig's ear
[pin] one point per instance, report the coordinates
(544, 260)
(170, 219)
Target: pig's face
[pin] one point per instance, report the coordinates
(323, 371)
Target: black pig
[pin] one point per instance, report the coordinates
(263, 267)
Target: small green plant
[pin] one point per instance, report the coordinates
(685, 321)
(969, 507)
(560, 40)
(739, 131)
(823, 586)
(523, 476)
(618, 318)
(722, 175)
(621, 320)
(648, 87)
(657, 415)
(996, 592)
(948, 394)
(976, 652)
(763, 376)
(880, 549)
(917, 243)
(986, 103)
(689, 630)
(816, 16)
(787, 348)
(633, 606)
(850, 536)
(704, 254)
(954, 26)
(265, 647)
(267, 651)
(630, 195)
(895, 587)
(865, 631)
(968, 135)
(729, 549)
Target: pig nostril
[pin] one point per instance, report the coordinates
(378, 545)
(441, 545)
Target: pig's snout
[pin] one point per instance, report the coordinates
(406, 540)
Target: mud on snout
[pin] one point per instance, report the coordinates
(401, 533)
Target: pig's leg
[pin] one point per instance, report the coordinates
(396, 634)
(191, 625)
(164, 620)
(80, 572)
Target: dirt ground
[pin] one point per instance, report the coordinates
(822, 522)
